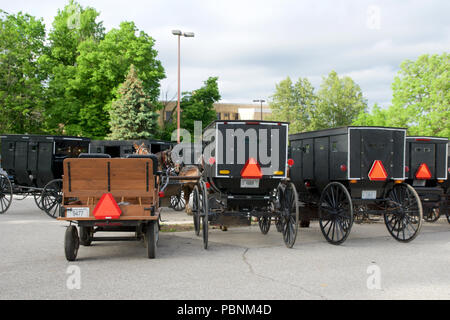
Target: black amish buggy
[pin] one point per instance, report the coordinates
(34, 167)
(123, 148)
(245, 175)
(446, 186)
(342, 170)
(427, 171)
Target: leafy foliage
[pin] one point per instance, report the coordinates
(133, 115)
(21, 90)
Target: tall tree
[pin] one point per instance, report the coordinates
(132, 114)
(294, 103)
(421, 95)
(71, 26)
(102, 67)
(340, 101)
(198, 105)
(377, 117)
(21, 91)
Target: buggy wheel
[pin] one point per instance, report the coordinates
(289, 213)
(38, 199)
(403, 216)
(431, 214)
(151, 239)
(71, 243)
(85, 236)
(177, 201)
(278, 224)
(52, 198)
(335, 213)
(448, 217)
(6, 193)
(204, 213)
(264, 224)
(196, 203)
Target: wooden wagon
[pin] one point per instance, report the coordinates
(33, 165)
(355, 169)
(110, 195)
(427, 171)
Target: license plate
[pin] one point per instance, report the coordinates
(249, 183)
(369, 194)
(77, 213)
(419, 183)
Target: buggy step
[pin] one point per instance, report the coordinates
(115, 239)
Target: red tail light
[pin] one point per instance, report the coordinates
(307, 184)
(406, 169)
(208, 185)
(161, 194)
(212, 160)
(291, 162)
(377, 172)
(253, 122)
(424, 172)
(251, 170)
(343, 168)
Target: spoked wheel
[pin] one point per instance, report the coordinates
(52, 198)
(204, 212)
(6, 193)
(403, 216)
(177, 201)
(264, 224)
(278, 224)
(335, 213)
(196, 203)
(289, 213)
(21, 196)
(431, 214)
(38, 199)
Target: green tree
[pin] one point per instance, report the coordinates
(132, 114)
(421, 96)
(198, 105)
(377, 117)
(72, 26)
(21, 91)
(340, 101)
(102, 66)
(293, 103)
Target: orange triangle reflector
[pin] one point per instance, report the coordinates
(107, 208)
(251, 170)
(424, 172)
(377, 172)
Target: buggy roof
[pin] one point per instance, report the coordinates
(36, 137)
(244, 122)
(335, 131)
(425, 138)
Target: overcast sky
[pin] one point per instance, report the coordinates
(252, 45)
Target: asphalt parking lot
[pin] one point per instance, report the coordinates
(239, 264)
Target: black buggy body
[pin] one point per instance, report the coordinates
(34, 166)
(245, 175)
(346, 171)
(123, 148)
(427, 171)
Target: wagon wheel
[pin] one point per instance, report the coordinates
(52, 198)
(204, 212)
(177, 201)
(403, 216)
(335, 213)
(264, 224)
(38, 199)
(196, 202)
(278, 224)
(6, 193)
(21, 196)
(71, 243)
(289, 213)
(431, 214)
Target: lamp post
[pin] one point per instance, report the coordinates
(188, 35)
(260, 100)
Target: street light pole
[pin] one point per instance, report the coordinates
(260, 100)
(178, 33)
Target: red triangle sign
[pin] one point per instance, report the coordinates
(107, 208)
(424, 172)
(251, 170)
(377, 172)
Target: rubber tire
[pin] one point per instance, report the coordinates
(71, 243)
(151, 239)
(85, 236)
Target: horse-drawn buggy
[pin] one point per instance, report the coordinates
(341, 171)
(103, 194)
(427, 171)
(33, 164)
(244, 176)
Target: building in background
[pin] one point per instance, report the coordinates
(224, 111)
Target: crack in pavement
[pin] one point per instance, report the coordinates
(252, 271)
